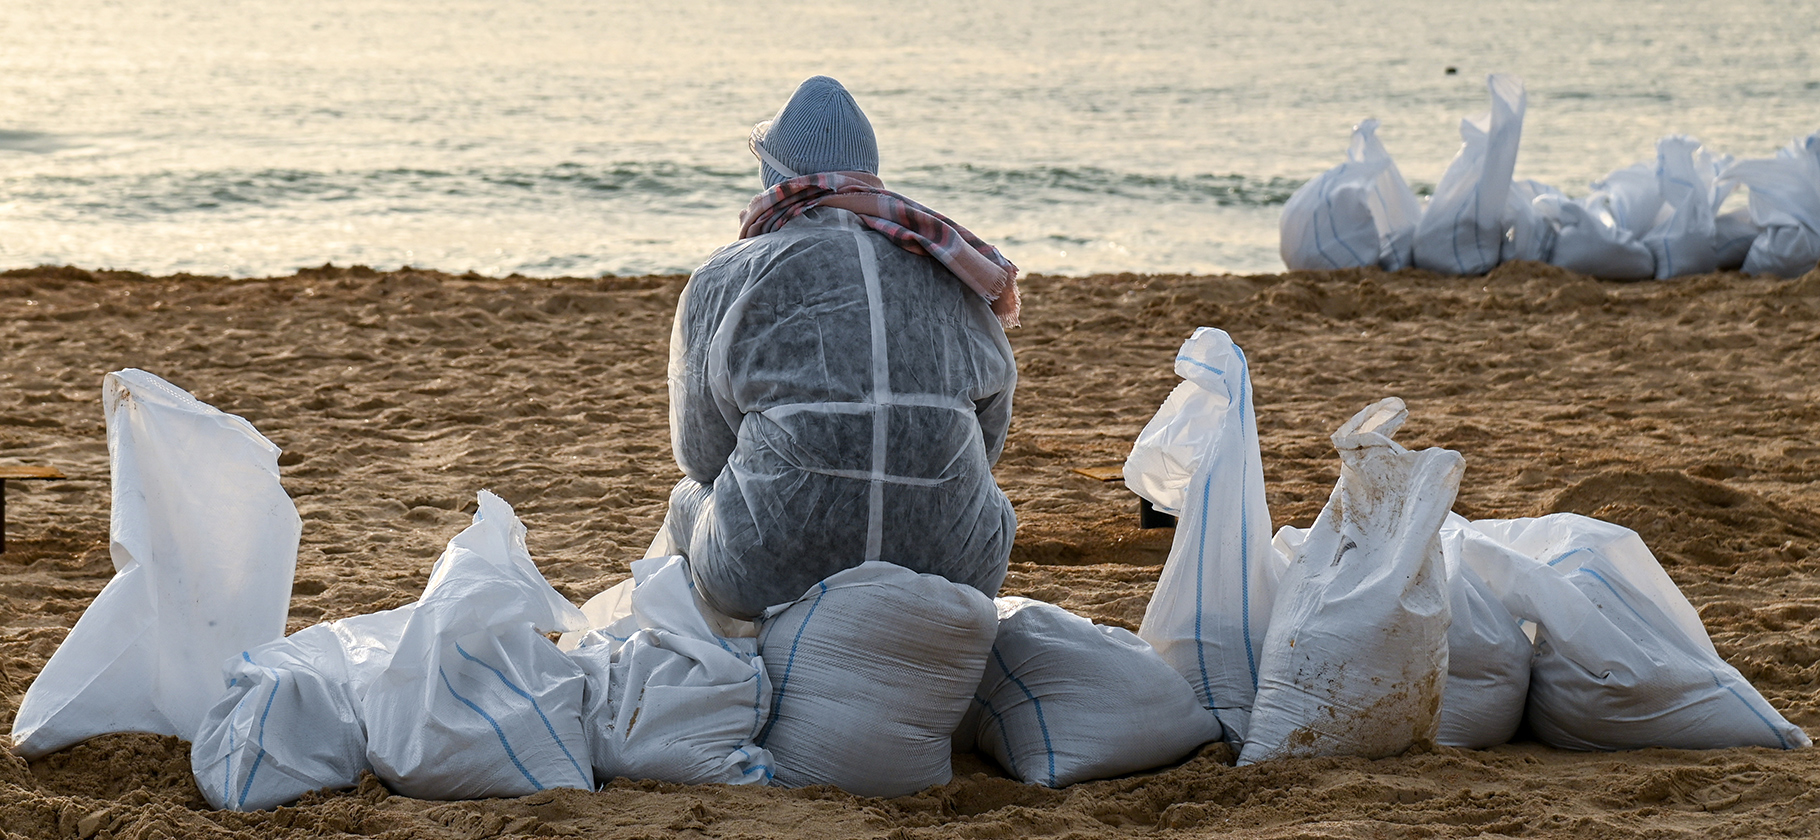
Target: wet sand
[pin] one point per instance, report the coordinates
(1686, 409)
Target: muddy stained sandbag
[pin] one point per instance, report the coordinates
(1488, 653)
(476, 702)
(872, 671)
(1622, 660)
(834, 400)
(669, 696)
(1356, 660)
(1065, 700)
(1199, 458)
(204, 543)
(1356, 214)
(1462, 227)
(291, 720)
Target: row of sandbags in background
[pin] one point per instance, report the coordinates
(866, 682)
(1658, 218)
(1392, 622)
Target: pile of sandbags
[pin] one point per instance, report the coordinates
(1397, 623)
(1387, 624)
(1660, 218)
(1621, 658)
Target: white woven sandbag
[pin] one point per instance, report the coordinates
(291, 721)
(1622, 660)
(668, 697)
(1594, 237)
(1065, 700)
(204, 543)
(1356, 659)
(1733, 233)
(1198, 457)
(872, 670)
(1359, 213)
(1462, 228)
(1488, 656)
(1683, 239)
(1532, 219)
(476, 702)
(1785, 207)
(1487, 651)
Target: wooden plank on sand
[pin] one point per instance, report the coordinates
(1101, 473)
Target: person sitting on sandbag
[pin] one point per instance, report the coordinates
(840, 380)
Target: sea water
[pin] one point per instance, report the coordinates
(583, 137)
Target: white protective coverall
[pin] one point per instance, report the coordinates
(834, 399)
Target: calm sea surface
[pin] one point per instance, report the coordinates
(252, 137)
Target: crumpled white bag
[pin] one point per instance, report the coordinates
(1065, 700)
(1198, 458)
(476, 702)
(1356, 659)
(1462, 228)
(204, 544)
(1531, 222)
(1488, 656)
(1733, 233)
(1785, 206)
(1622, 660)
(1648, 219)
(1683, 239)
(291, 721)
(1359, 213)
(1602, 234)
(669, 698)
(873, 670)
(1487, 651)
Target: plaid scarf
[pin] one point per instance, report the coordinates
(909, 225)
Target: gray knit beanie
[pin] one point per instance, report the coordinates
(821, 129)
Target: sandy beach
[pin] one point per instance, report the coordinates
(1687, 409)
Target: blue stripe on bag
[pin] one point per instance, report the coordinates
(783, 685)
(1010, 754)
(1200, 573)
(260, 757)
(1251, 659)
(534, 707)
(754, 768)
(510, 753)
(1327, 198)
(1715, 674)
(1041, 723)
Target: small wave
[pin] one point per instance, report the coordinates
(638, 187)
(1091, 183)
(142, 196)
(34, 142)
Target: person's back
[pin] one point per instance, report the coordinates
(835, 399)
